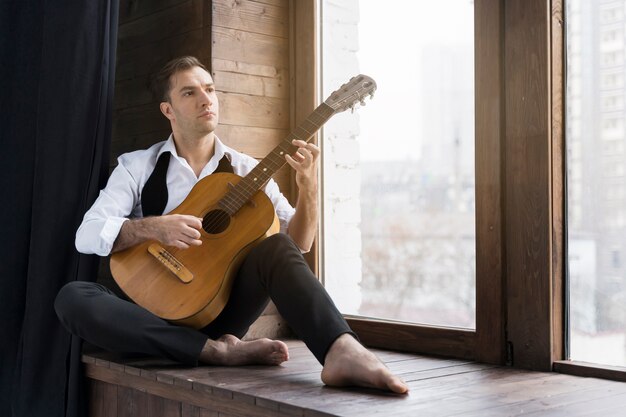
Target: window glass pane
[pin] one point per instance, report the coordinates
(596, 176)
(398, 174)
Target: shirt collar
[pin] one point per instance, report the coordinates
(168, 146)
(219, 152)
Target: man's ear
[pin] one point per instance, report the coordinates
(166, 109)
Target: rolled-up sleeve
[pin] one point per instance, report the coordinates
(103, 221)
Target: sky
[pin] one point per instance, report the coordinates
(390, 41)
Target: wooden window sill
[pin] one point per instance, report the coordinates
(439, 386)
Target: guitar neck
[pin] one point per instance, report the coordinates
(241, 193)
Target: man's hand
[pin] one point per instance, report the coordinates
(304, 162)
(178, 230)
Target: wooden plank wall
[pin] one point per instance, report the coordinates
(251, 73)
(246, 46)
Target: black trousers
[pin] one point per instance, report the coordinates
(275, 270)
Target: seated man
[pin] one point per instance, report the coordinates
(127, 213)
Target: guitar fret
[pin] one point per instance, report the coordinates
(227, 206)
(243, 191)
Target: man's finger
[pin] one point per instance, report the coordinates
(192, 233)
(304, 151)
(292, 162)
(299, 156)
(314, 149)
(193, 221)
(181, 245)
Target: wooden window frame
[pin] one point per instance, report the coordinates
(534, 175)
(520, 193)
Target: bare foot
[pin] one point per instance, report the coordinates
(230, 350)
(349, 363)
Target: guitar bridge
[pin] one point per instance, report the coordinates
(175, 266)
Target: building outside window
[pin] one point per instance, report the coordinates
(398, 174)
(596, 177)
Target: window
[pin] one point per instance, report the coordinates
(612, 123)
(611, 59)
(610, 35)
(612, 80)
(485, 340)
(399, 232)
(609, 13)
(597, 230)
(612, 102)
(615, 259)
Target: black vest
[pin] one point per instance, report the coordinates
(154, 194)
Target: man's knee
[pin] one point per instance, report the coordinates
(63, 298)
(278, 243)
(277, 253)
(72, 298)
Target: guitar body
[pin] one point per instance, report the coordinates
(191, 286)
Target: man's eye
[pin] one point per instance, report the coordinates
(210, 89)
(187, 93)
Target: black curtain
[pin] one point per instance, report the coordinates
(57, 61)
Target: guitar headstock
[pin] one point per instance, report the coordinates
(354, 91)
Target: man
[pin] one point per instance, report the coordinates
(125, 214)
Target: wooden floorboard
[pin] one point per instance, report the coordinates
(123, 386)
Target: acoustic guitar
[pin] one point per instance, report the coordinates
(191, 286)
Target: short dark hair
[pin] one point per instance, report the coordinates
(160, 82)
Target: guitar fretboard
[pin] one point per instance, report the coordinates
(243, 191)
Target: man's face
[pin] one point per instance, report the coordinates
(193, 107)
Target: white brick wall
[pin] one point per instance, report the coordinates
(341, 173)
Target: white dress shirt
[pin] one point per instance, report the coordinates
(121, 198)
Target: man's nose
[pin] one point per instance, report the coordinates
(206, 99)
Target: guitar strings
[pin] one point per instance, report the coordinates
(249, 188)
(258, 176)
(248, 185)
(235, 199)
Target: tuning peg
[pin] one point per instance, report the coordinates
(362, 102)
(352, 109)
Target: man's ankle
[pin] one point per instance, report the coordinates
(212, 352)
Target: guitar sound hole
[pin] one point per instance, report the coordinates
(215, 221)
